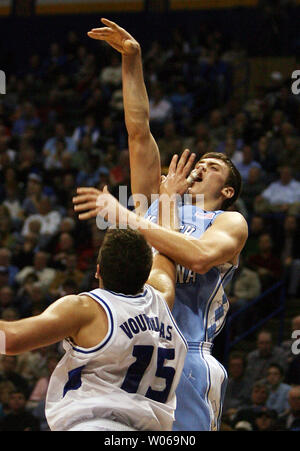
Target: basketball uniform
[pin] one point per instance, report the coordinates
(126, 382)
(200, 310)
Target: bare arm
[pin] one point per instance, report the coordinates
(143, 150)
(64, 318)
(163, 272)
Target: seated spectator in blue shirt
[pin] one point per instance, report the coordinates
(290, 421)
(247, 163)
(283, 195)
(59, 133)
(278, 395)
(26, 117)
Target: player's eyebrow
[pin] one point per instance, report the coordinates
(212, 163)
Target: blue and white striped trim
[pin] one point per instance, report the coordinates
(110, 327)
(208, 380)
(213, 296)
(222, 395)
(129, 295)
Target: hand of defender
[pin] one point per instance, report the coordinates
(94, 202)
(176, 180)
(116, 37)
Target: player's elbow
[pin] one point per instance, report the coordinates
(200, 263)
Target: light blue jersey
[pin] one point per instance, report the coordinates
(200, 310)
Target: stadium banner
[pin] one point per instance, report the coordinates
(87, 6)
(211, 4)
(5, 7)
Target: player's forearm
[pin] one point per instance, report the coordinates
(183, 250)
(135, 97)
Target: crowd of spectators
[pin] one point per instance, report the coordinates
(62, 126)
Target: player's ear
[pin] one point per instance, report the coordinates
(97, 274)
(228, 192)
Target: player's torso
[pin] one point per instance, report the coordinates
(200, 304)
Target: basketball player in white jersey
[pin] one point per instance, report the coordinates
(207, 249)
(124, 352)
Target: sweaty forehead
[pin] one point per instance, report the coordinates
(214, 161)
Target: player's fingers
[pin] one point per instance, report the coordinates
(85, 206)
(89, 214)
(189, 164)
(87, 190)
(173, 164)
(109, 23)
(84, 198)
(182, 161)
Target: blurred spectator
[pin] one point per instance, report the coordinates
(248, 413)
(265, 157)
(257, 227)
(89, 128)
(265, 353)
(6, 389)
(59, 134)
(265, 420)
(265, 262)
(160, 107)
(244, 287)
(169, 143)
(39, 391)
(254, 186)
(9, 373)
(34, 191)
(278, 395)
(288, 240)
(5, 262)
(7, 297)
(280, 196)
(44, 274)
(47, 218)
(19, 419)
(25, 116)
(70, 273)
(238, 390)
(290, 421)
(111, 75)
(247, 163)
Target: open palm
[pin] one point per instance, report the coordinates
(116, 37)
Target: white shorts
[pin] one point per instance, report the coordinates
(100, 424)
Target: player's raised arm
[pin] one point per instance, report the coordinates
(144, 154)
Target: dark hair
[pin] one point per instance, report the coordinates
(125, 260)
(234, 178)
(278, 367)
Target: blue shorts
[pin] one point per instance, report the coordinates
(201, 390)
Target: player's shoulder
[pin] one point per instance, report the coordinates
(232, 218)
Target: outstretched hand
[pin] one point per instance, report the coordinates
(116, 37)
(93, 202)
(176, 181)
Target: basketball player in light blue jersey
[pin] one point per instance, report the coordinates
(207, 249)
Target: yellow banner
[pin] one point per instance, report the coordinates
(88, 6)
(5, 7)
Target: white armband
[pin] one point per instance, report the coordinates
(2, 342)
